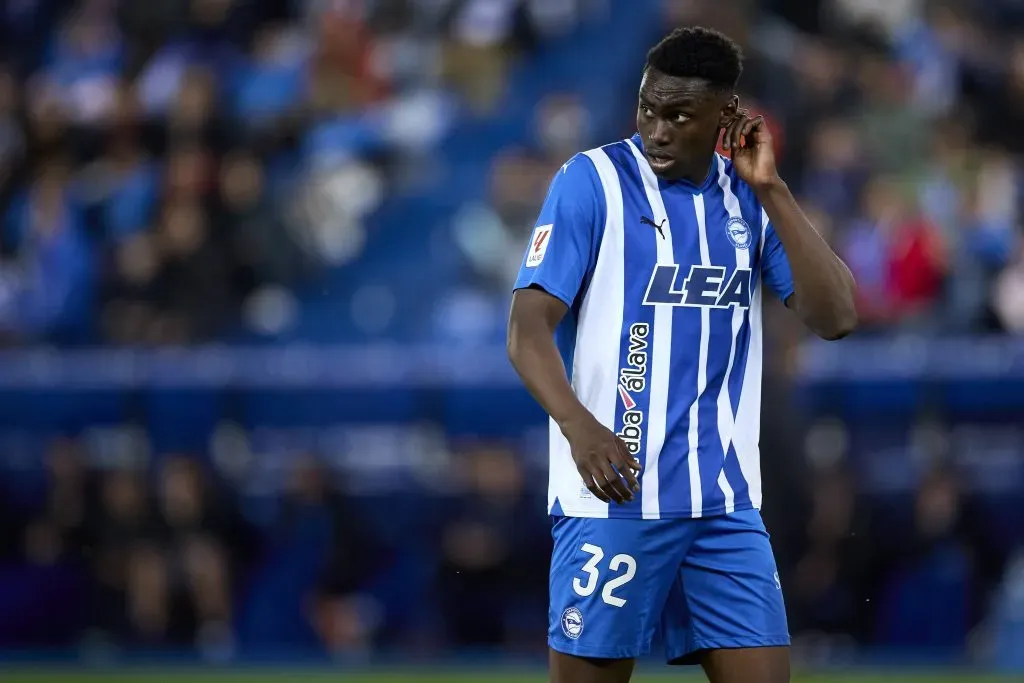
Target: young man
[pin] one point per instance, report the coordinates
(636, 323)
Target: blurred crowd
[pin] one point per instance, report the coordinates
(125, 552)
(168, 555)
(171, 170)
(173, 173)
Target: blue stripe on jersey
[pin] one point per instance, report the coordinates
(722, 253)
(674, 472)
(634, 371)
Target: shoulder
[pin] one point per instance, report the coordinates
(593, 170)
(613, 157)
(578, 180)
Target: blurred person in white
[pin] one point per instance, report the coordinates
(489, 233)
(883, 17)
(484, 35)
(85, 63)
(1008, 294)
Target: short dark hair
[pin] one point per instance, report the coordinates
(698, 52)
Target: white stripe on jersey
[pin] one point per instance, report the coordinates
(748, 413)
(597, 346)
(692, 458)
(661, 350)
(726, 419)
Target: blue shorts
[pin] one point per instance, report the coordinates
(619, 585)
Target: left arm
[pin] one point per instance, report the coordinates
(823, 287)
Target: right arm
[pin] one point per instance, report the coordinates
(561, 252)
(532, 322)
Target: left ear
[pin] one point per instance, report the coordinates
(729, 110)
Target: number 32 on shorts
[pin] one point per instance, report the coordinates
(594, 575)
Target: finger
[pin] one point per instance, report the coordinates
(725, 134)
(751, 131)
(615, 487)
(628, 466)
(728, 135)
(628, 474)
(592, 486)
(737, 132)
(630, 459)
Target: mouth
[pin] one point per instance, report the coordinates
(660, 161)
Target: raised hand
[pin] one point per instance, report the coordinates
(749, 142)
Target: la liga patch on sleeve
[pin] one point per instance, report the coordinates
(539, 245)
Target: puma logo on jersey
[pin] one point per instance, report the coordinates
(644, 220)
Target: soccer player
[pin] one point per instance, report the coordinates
(636, 324)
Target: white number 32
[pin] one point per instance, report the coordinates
(594, 575)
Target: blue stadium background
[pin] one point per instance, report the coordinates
(254, 273)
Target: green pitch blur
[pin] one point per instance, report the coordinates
(205, 676)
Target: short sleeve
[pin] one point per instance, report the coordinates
(563, 245)
(775, 264)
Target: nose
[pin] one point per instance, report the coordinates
(660, 133)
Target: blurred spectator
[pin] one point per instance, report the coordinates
(323, 523)
(61, 531)
(491, 551)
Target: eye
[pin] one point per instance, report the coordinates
(680, 118)
(645, 110)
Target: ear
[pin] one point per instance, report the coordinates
(729, 110)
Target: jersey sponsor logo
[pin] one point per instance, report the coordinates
(738, 232)
(572, 623)
(703, 287)
(539, 245)
(633, 379)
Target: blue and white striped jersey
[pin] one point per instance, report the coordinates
(662, 340)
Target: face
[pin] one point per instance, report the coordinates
(679, 120)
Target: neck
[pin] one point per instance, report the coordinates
(694, 175)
